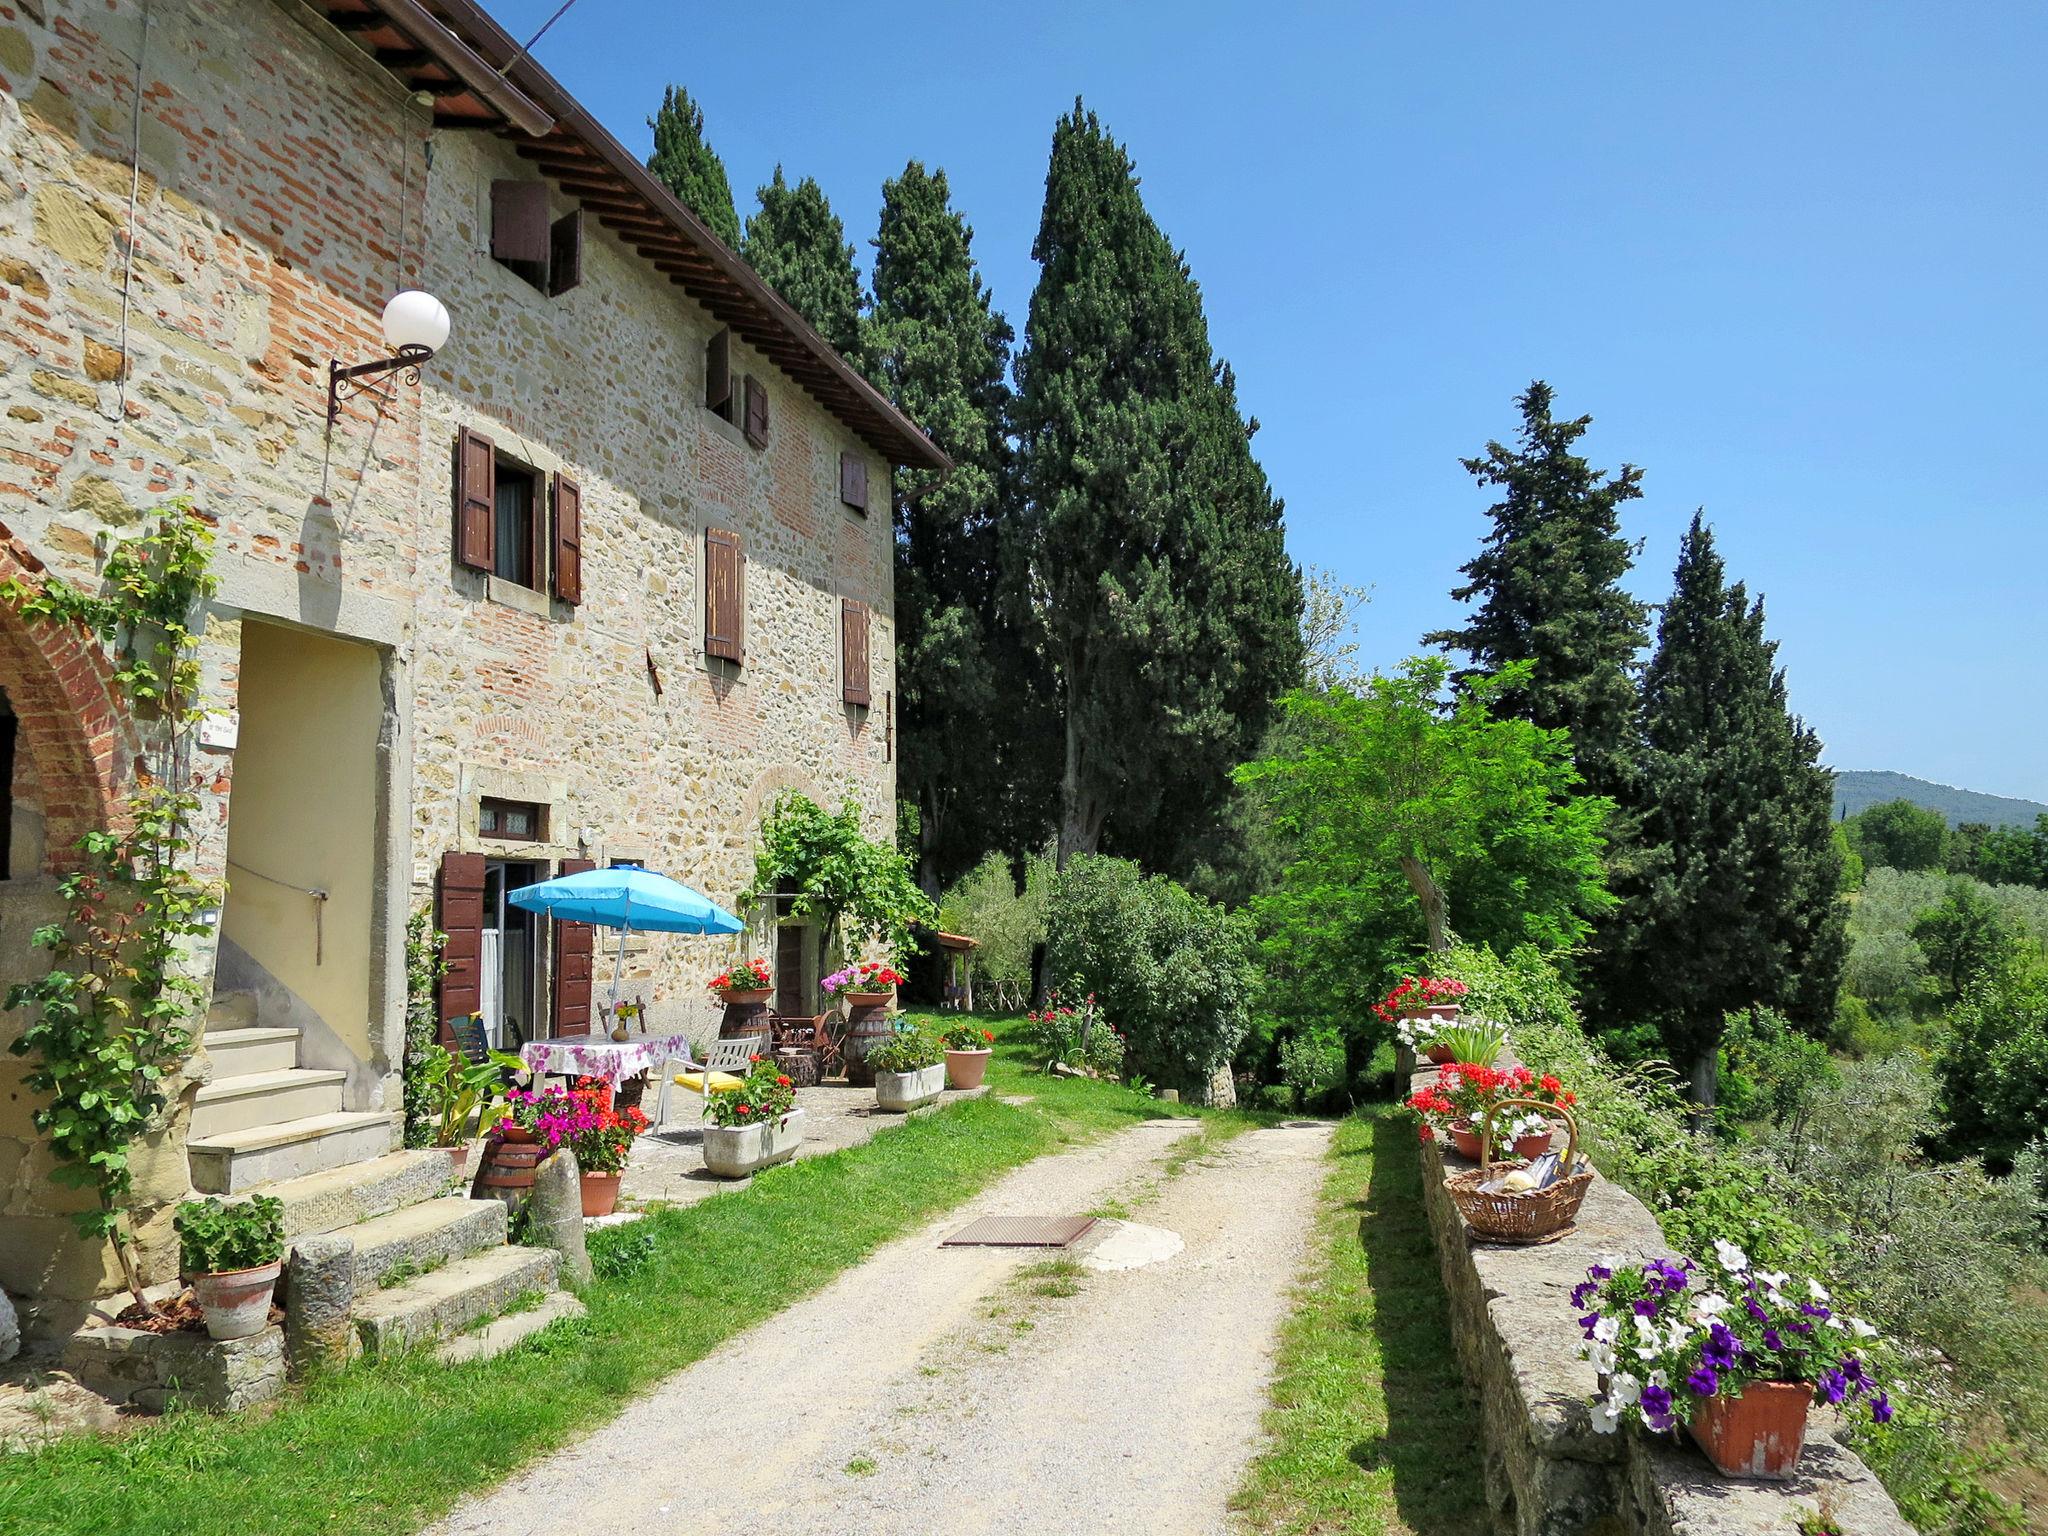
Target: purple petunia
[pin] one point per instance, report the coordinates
(1584, 1292)
(1586, 1323)
(1852, 1370)
(1881, 1408)
(1645, 1309)
(1703, 1382)
(1833, 1386)
(1773, 1339)
(1722, 1348)
(1656, 1403)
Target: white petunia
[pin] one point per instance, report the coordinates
(1712, 1304)
(1861, 1329)
(1623, 1390)
(1732, 1258)
(1607, 1330)
(1605, 1419)
(1819, 1293)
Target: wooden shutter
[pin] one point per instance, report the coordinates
(725, 595)
(853, 651)
(853, 480)
(461, 918)
(476, 500)
(575, 957)
(519, 224)
(718, 374)
(757, 412)
(568, 530)
(565, 252)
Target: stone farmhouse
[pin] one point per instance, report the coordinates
(614, 571)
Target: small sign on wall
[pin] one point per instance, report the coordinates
(218, 732)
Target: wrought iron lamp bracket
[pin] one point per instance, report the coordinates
(344, 383)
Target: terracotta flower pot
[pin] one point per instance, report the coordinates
(237, 1301)
(744, 996)
(1442, 1013)
(870, 999)
(1529, 1148)
(516, 1135)
(1533, 1146)
(1465, 1139)
(1757, 1433)
(458, 1159)
(965, 1069)
(600, 1192)
(1442, 1055)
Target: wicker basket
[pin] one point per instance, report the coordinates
(1534, 1216)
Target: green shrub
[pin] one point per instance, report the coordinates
(1993, 1068)
(986, 905)
(1312, 1066)
(1173, 971)
(1769, 1070)
(216, 1236)
(908, 1050)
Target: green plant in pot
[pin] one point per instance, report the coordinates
(1472, 1040)
(462, 1099)
(910, 1069)
(232, 1253)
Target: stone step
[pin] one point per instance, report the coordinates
(231, 1010)
(230, 1162)
(340, 1197)
(502, 1333)
(243, 1052)
(419, 1238)
(266, 1098)
(442, 1304)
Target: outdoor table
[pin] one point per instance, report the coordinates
(613, 1061)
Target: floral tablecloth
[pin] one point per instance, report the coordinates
(612, 1060)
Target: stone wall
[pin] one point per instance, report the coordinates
(1548, 1472)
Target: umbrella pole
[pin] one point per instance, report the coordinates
(618, 965)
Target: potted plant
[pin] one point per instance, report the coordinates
(1735, 1353)
(1434, 998)
(232, 1253)
(744, 982)
(910, 1069)
(968, 1047)
(1469, 1040)
(754, 1125)
(456, 1092)
(1418, 1033)
(1465, 1094)
(869, 984)
(601, 1134)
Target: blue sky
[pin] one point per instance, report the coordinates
(1793, 260)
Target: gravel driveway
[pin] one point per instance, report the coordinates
(972, 1389)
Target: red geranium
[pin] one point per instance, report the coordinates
(1412, 994)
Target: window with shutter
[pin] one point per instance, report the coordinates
(476, 500)
(718, 375)
(565, 253)
(461, 920)
(853, 652)
(853, 480)
(575, 949)
(568, 531)
(725, 602)
(757, 412)
(519, 228)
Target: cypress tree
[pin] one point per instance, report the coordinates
(1161, 592)
(1548, 587)
(942, 353)
(689, 167)
(797, 243)
(1734, 902)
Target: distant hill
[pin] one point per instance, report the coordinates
(1856, 788)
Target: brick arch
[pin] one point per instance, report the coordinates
(61, 691)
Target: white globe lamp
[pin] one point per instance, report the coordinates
(415, 322)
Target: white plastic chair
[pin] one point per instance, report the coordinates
(730, 1056)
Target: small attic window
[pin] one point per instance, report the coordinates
(549, 256)
(720, 398)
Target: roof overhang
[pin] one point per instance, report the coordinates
(454, 52)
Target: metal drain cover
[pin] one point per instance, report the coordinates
(1020, 1232)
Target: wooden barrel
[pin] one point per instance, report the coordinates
(867, 1025)
(509, 1170)
(746, 1017)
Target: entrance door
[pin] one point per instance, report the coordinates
(792, 985)
(510, 956)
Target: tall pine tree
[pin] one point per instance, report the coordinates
(1159, 584)
(942, 353)
(797, 243)
(1548, 587)
(1734, 901)
(689, 167)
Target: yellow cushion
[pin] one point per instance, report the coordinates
(721, 1082)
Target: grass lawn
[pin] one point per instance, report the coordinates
(1371, 1428)
(385, 1447)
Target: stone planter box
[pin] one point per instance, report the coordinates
(901, 1091)
(734, 1151)
(150, 1370)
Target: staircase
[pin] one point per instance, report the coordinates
(429, 1261)
(264, 1117)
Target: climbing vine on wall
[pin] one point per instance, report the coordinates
(111, 1017)
(424, 968)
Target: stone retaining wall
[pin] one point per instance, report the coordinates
(1548, 1473)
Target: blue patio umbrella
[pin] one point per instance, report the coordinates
(626, 897)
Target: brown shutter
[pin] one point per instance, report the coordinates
(461, 918)
(565, 252)
(718, 374)
(853, 480)
(575, 955)
(476, 500)
(568, 580)
(725, 595)
(757, 412)
(519, 224)
(853, 651)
